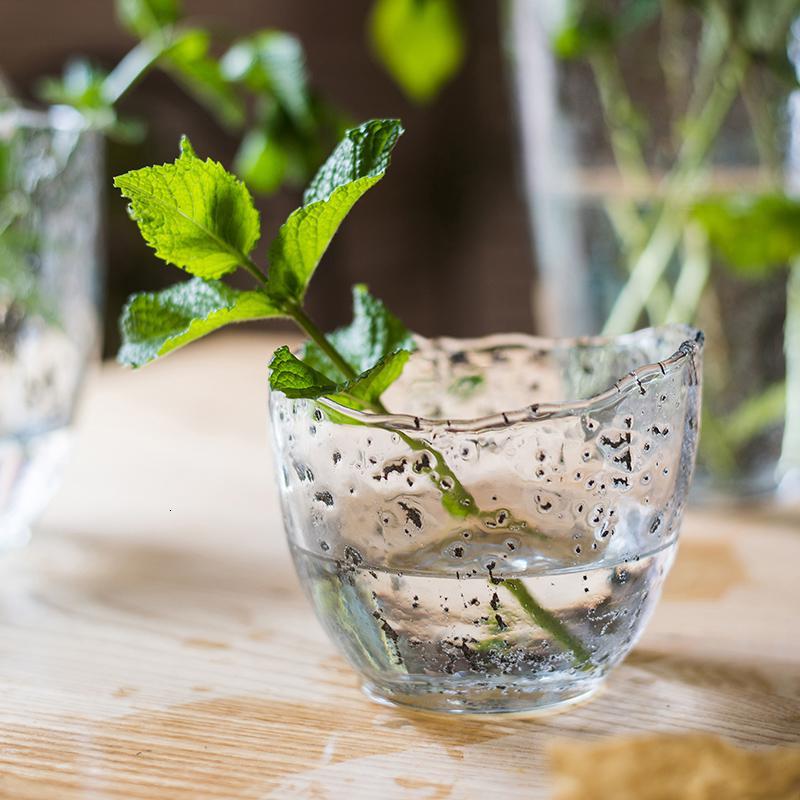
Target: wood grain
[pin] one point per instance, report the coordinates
(154, 642)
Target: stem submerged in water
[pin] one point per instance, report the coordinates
(458, 501)
(547, 621)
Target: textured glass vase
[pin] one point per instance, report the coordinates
(50, 170)
(500, 544)
(630, 121)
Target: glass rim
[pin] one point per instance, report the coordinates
(51, 118)
(634, 380)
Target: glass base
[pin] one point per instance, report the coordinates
(30, 471)
(509, 698)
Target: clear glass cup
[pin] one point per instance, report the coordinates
(467, 557)
(50, 177)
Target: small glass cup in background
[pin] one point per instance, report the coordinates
(50, 186)
(467, 557)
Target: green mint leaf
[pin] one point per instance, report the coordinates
(189, 61)
(145, 17)
(753, 233)
(193, 213)
(374, 333)
(420, 42)
(288, 374)
(154, 324)
(364, 152)
(304, 238)
(356, 164)
(273, 62)
(372, 383)
(297, 379)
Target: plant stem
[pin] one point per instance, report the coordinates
(790, 450)
(656, 256)
(132, 67)
(620, 117)
(645, 274)
(717, 453)
(714, 42)
(459, 503)
(723, 437)
(756, 414)
(692, 279)
(547, 621)
(248, 265)
(618, 110)
(302, 319)
(674, 53)
(457, 500)
(308, 326)
(764, 134)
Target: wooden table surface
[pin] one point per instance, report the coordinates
(154, 641)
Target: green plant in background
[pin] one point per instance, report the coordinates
(420, 42)
(18, 291)
(22, 295)
(259, 89)
(202, 219)
(753, 234)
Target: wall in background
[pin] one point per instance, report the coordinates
(443, 239)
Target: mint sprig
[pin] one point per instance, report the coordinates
(199, 217)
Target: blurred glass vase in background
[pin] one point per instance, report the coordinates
(660, 168)
(50, 172)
